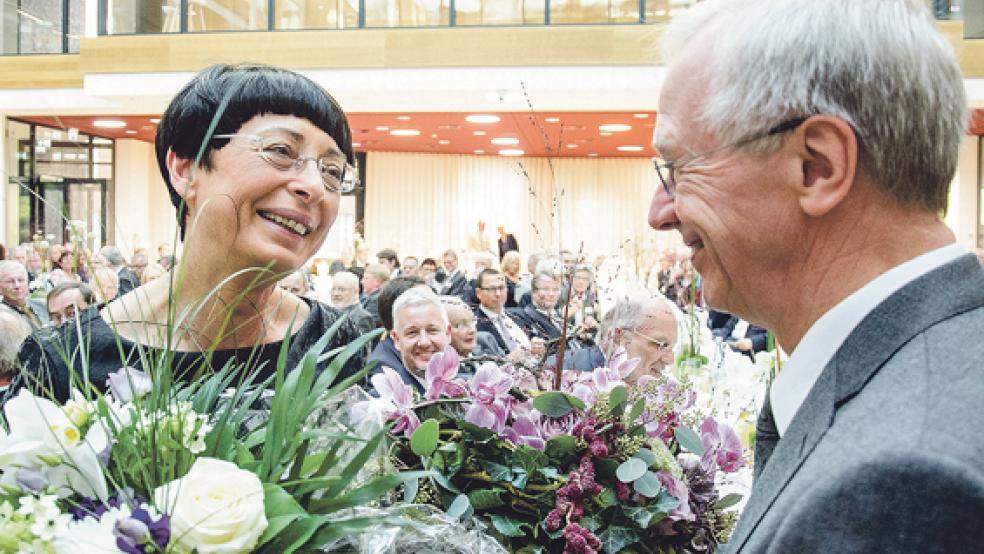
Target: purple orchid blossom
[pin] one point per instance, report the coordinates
(721, 447)
(524, 431)
(441, 373)
(399, 395)
(489, 391)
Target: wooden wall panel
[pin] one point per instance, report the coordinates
(41, 71)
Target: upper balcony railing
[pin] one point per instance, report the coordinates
(56, 26)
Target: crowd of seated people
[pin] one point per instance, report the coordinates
(492, 309)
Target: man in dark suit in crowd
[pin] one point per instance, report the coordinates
(128, 279)
(345, 297)
(507, 242)
(541, 318)
(14, 294)
(491, 317)
(737, 333)
(807, 165)
(455, 283)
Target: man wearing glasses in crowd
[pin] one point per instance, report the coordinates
(491, 317)
(14, 294)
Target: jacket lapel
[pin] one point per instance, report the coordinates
(949, 290)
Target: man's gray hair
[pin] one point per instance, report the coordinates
(113, 256)
(880, 65)
(345, 278)
(13, 331)
(629, 313)
(11, 266)
(414, 297)
(535, 281)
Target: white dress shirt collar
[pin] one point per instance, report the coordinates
(828, 333)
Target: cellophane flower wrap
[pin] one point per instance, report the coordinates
(597, 466)
(217, 465)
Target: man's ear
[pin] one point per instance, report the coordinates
(182, 172)
(829, 163)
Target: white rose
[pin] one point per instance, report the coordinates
(216, 508)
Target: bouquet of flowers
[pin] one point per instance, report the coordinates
(596, 466)
(155, 465)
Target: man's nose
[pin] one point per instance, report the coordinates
(662, 211)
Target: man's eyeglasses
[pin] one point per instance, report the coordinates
(659, 344)
(501, 288)
(667, 171)
(338, 176)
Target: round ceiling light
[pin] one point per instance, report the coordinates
(552, 119)
(511, 152)
(629, 148)
(615, 127)
(404, 132)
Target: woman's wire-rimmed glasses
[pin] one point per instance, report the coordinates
(667, 170)
(338, 177)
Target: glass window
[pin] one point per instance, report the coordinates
(594, 11)
(317, 14)
(406, 13)
(663, 10)
(227, 15)
(499, 12)
(31, 26)
(143, 16)
(76, 25)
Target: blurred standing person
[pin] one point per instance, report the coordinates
(375, 276)
(127, 279)
(480, 241)
(507, 242)
(511, 265)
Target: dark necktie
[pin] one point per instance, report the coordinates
(766, 437)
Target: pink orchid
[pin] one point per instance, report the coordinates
(398, 397)
(721, 447)
(489, 390)
(551, 427)
(441, 373)
(679, 491)
(621, 364)
(524, 431)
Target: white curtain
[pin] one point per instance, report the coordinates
(421, 204)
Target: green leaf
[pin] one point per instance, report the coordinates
(530, 458)
(689, 440)
(520, 478)
(607, 498)
(727, 502)
(636, 411)
(508, 526)
(459, 507)
(484, 499)
(631, 469)
(479, 434)
(647, 485)
(665, 502)
(615, 539)
(647, 456)
(640, 515)
(590, 523)
(549, 472)
(497, 472)
(556, 404)
(561, 447)
(423, 442)
(617, 398)
(410, 489)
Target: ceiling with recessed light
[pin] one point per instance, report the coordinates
(555, 134)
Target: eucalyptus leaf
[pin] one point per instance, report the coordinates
(631, 469)
(497, 472)
(410, 489)
(459, 507)
(508, 526)
(615, 539)
(665, 502)
(423, 442)
(689, 440)
(647, 456)
(727, 502)
(647, 485)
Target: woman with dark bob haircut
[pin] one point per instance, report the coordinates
(255, 159)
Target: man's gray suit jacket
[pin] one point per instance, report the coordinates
(886, 454)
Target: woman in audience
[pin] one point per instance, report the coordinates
(64, 271)
(256, 207)
(511, 267)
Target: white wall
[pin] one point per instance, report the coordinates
(963, 206)
(143, 211)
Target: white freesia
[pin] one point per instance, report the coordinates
(44, 438)
(217, 508)
(91, 534)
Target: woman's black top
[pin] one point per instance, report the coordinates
(52, 361)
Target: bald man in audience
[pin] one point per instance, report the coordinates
(345, 297)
